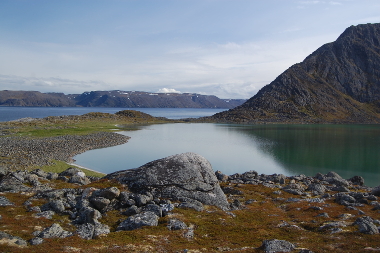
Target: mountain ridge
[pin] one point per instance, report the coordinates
(116, 98)
(338, 83)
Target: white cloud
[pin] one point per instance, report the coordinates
(168, 90)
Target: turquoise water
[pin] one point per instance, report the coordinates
(287, 149)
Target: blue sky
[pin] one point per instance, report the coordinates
(227, 48)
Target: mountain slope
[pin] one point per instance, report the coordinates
(338, 83)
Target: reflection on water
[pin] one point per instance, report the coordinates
(307, 149)
(288, 149)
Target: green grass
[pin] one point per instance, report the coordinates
(59, 166)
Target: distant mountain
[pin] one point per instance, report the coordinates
(338, 83)
(116, 98)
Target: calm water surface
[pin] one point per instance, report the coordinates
(288, 149)
(13, 113)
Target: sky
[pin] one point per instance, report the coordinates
(227, 48)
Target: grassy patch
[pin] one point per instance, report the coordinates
(59, 166)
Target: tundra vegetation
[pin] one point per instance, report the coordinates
(49, 204)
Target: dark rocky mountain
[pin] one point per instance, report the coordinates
(128, 99)
(338, 83)
(34, 98)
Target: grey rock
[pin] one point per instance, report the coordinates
(231, 190)
(88, 215)
(138, 220)
(220, 176)
(274, 245)
(166, 208)
(376, 191)
(55, 205)
(39, 173)
(36, 241)
(175, 224)
(12, 239)
(5, 202)
(153, 208)
(236, 205)
(189, 233)
(295, 189)
(109, 193)
(34, 209)
(89, 231)
(52, 175)
(184, 175)
(132, 211)
(100, 230)
(340, 188)
(142, 199)
(45, 214)
(127, 199)
(357, 180)
(63, 178)
(344, 199)
(188, 203)
(54, 231)
(317, 189)
(366, 225)
(72, 172)
(79, 180)
(3, 171)
(324, 215)
(100, 203)
(13, 183)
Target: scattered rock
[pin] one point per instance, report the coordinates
(274, 245)
(138, 220)
(12, 240)
(54, 231)
(175, 224)
(5, 202)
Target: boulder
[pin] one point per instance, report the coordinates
(366, 225)
(138, 220)
(357, 180)
(54, 231)
(175, 224)
(5, 202)
(274, 245)
(89, 231)
(185, 175)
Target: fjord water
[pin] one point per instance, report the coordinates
(14, 113)
(287, 149)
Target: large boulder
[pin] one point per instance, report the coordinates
(185, 175)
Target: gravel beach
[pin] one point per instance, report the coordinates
(23, 152)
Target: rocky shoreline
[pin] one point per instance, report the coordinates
(327, 207)
(23, 152)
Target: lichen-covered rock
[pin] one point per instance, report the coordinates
(185, 175)
(274, 245)
(90, 231)
(175, 224)
(54, 231)
(138, 220)
(366, 225)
